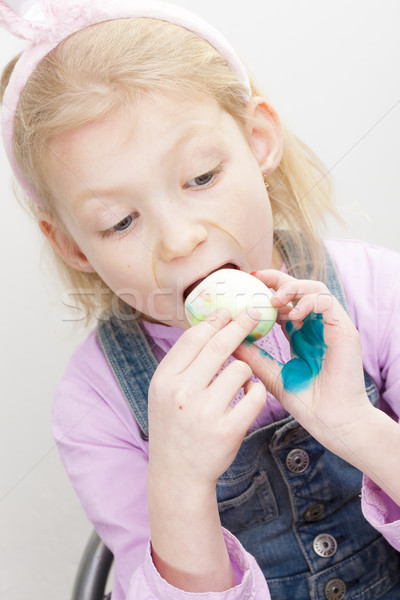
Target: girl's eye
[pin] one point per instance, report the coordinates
(204, 179)
(119, 227)
(124, 224)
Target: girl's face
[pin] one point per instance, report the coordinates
(161, 194)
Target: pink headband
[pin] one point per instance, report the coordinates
(48, 22)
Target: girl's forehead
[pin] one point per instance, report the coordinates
(179, 109)
(165, 122)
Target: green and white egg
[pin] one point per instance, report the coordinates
(234, 291)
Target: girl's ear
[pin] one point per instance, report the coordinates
(264, 134)
(64, 245)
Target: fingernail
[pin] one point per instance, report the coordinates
(254, 313)
(277, 297)
(254, 273)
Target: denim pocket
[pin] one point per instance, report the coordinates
(255, 505)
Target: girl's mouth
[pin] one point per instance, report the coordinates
(191, 287)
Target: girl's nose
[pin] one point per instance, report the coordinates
(179, 237)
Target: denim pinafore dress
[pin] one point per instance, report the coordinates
(293, 505)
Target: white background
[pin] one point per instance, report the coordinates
(331, 68)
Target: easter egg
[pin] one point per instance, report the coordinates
(234, 291)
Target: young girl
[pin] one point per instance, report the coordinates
(149, 160)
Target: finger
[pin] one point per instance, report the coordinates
(283, 316)
(264, 366)
(245, 412)
(289, 288)
(296, 289)
(325, 304)
(191, 342)
(272, 277)
(289, 326)
(233, 377)
(220, 347)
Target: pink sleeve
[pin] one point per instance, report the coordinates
(146, 583)
(380, 510)
(106, 459)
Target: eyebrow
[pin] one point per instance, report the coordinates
(98, 194)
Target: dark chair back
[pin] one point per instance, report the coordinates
(94, 568)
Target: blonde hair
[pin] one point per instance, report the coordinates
(93, 72)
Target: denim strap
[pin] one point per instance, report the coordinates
(132, 361)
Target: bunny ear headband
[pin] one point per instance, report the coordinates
(45, 23)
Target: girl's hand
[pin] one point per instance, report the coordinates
(323, 385)
(323, 388)
(194, 432)
(194, 437)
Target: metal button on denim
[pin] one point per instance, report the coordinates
(335, 589)
(324, 545)
(314, 512)
(297, 460)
